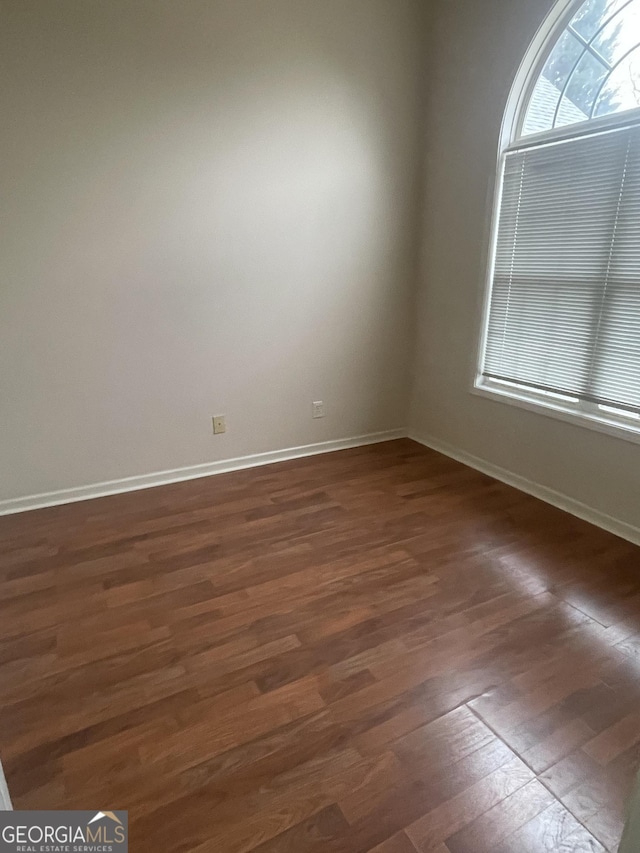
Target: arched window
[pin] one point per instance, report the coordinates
(562, 321)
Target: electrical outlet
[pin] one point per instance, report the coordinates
(219, 424)
(318, 409)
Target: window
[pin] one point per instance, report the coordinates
(562, 321)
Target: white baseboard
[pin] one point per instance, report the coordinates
(177, 475)
(544, 493)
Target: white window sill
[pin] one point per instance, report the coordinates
(554, 406)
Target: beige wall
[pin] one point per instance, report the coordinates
(477, 48)
(210, 207)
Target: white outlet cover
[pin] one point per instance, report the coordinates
(318, 409)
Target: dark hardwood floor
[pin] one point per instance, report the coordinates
(377, 649)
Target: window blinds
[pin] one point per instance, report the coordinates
(564, 312)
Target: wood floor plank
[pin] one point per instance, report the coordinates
(373, 651)
(554, 830)
(503, 820)
(398, 843)
(431, 830)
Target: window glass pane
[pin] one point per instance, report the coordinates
(581, 90)
(562, 60)
(593, 14)
(622, 89)
(544, 101)
(620, 35)
(542, 108)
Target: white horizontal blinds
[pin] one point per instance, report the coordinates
(616, 370)
(565, 304)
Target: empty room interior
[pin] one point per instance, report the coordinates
(320, 426)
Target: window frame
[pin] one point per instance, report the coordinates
(579, 412)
